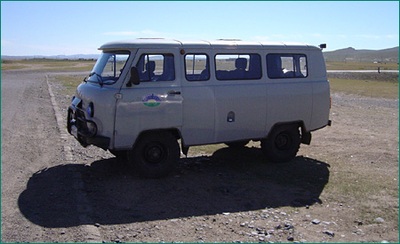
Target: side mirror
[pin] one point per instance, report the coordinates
(134, 79)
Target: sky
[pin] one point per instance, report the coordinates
(80, 27)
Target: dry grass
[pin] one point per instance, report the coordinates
(361, 66)
(47, 65)
(369, 88)
(69, 83)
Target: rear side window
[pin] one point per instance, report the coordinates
(156, 67)
(238, 66)
(287, 66)
(197, 67)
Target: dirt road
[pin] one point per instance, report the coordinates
(31, 145)
(226, 196)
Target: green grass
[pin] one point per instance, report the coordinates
(369, 88)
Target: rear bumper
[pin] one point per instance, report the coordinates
(306, 135)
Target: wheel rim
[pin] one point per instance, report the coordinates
(154, 153)
(283, 141)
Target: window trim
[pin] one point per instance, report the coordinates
(238, 55)
(292, 55)
(207, 64)
(163, 54)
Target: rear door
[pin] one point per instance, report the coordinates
(156, 103)
(240, 97)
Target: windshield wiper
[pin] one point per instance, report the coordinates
(99, 78)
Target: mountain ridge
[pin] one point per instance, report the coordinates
(363, 55)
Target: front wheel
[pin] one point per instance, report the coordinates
(155, 154)
(282, 144)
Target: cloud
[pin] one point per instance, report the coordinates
(391, 36)
(317, 35)
(6, 42)
(121, 33)
(367, 36)
(272, 37)
(142, 33)
(261, 38)
(46, 49)
(377, 37)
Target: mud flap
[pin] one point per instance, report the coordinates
(305, 137)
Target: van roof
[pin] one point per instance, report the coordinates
(220, 43)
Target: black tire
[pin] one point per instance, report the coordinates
(282, 144)
(237, 144)
(154, 155)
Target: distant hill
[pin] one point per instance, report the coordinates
(351, 54)
(69, 57)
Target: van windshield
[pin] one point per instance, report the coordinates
(108, 67)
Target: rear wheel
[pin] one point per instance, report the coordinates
(155, 154)
(282, 144)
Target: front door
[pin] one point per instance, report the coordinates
(155, 103)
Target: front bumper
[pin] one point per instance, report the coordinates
(85, 131)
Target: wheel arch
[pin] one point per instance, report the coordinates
(174, 131)
(304, 133)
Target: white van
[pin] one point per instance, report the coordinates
(143, 95)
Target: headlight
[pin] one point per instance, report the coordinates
(90, 110)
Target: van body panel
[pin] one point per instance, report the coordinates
(198, 114)
(280, 110)
(103, 97)
(145, 108)
(321, 105)
(240, 110)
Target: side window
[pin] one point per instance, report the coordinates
(197, 67)
(156, 67)
(238, 66)
(287, 66)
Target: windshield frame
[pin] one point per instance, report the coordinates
(119, 60)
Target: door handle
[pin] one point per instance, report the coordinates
(174, 93)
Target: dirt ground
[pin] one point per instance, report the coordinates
(341, 188)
